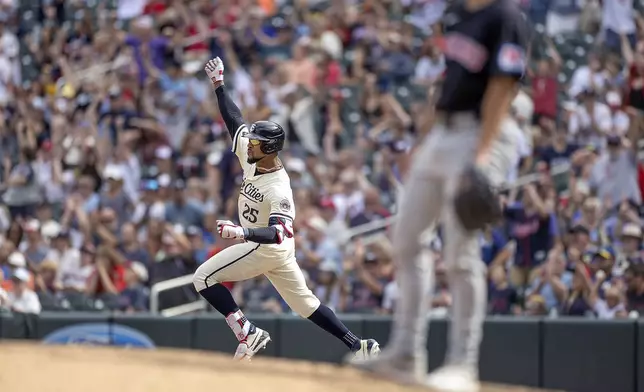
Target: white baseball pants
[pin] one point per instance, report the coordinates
(247, 260)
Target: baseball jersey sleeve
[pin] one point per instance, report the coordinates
(282, 206)
(509, 56)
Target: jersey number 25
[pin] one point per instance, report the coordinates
(250, 214)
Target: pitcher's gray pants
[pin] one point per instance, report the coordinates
(427, 198)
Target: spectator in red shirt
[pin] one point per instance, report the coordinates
(108, 280)
(545, 86)
(155, 7)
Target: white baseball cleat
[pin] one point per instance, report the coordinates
(403, 369)
(453, 379)
(368, 349)
(253, 342)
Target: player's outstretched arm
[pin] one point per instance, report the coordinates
(229, 111)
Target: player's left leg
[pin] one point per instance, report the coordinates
(290, 283)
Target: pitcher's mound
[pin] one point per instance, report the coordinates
(37, 368)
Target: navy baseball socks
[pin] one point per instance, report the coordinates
(324, 318)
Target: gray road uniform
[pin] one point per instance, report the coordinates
(479, 45)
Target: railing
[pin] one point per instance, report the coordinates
(170, 284)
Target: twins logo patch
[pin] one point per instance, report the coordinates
(512, 59)
(285, 205)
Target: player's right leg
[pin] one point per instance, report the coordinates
(235, 263)
(289, 281)
(404, 359)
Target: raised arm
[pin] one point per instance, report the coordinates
(229, 111)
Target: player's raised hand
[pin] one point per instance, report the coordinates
(229, 230)
(215, 70)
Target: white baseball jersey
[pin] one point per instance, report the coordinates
(261, 196)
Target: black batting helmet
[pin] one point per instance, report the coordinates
(271, 135)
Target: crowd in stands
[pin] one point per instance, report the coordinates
(115, 162)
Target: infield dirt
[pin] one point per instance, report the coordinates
(42, 368)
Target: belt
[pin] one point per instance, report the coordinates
(454, 119)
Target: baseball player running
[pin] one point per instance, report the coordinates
(266, 213)
(451, 179)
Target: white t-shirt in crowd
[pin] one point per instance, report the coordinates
(425, 13)
(605, 312)
(523, 150)
(44, 173)
(580, 121)
(348, 206)
(6, 76)
(69, 265)
(621, 122)
(426, 69)
(131, 169)
(155, 211)
(580, 81)
(27, 302)
(4, 299)
(128, 9)
(618, 16)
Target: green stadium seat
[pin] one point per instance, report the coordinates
(403, 93)
(418, 92)
(281, 52)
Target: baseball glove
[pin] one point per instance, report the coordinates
(476, 202)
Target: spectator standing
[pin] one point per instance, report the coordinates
(545, 86)
(532, 226)
(618, 18)
(24, 191)
(614, 174)
(591, 121)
